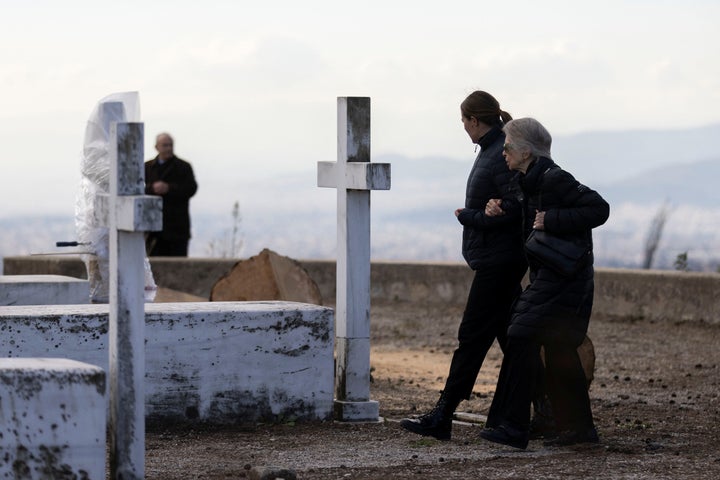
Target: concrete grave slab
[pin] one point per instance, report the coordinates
(53, 415)
(215, 362)
(43, 290)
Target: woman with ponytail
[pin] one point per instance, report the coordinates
(491, 247)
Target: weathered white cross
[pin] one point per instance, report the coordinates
(354, 177)
(128, 213)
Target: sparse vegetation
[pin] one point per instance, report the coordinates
(681, 262)
(655, 233)
(231, 243)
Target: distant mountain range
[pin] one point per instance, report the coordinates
(637, 172)
(693, 183)
(604, 158)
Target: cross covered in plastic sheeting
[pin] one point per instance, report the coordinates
(354, 177)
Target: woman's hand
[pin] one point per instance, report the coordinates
(457, 212)
(539, 223)
(493, 208)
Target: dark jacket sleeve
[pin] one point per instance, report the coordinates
(476, 218)
(578, 208)
(179, 176)
(182, 184)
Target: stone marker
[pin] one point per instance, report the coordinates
(53, 415)
(354, 177)
(266, 276)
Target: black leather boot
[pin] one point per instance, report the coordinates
(437, 422)
(506, 435)
(542, 424)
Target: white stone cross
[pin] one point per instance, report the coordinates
(128, 213)
(354, 177)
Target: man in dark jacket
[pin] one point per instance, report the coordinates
(171, 178)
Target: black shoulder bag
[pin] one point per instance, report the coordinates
(556, 253)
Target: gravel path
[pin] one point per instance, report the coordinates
(655, 399)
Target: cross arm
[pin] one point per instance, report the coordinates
(134, 213)
(358, 176)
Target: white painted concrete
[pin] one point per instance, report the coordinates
(52, 419)
(43, 290)
(220, 362)
(354, 177)
(127, 223)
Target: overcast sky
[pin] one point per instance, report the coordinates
(249, 88)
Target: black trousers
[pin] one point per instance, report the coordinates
(156, 246)
(486, 317)
(564, 381)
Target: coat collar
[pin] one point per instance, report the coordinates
(166, 162)
(490, 137)
(535, 172)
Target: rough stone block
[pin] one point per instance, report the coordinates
(53, 415)
(267, 276)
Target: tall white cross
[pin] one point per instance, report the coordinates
(354, 177)
(128, 213)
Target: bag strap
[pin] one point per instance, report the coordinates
(542, 180)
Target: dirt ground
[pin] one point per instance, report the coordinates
(655, 399)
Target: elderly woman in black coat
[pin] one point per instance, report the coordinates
(554, 310)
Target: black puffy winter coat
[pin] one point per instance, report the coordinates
(490, 241)
(555, 308)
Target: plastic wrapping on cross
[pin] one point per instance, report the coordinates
(95, 179)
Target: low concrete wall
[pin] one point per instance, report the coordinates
(43, 290)
(401, 281)
(219, 362)
(658, 295)
(650, 294)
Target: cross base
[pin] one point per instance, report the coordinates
(366, 411)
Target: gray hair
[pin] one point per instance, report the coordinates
(529, 134)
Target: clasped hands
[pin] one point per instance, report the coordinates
(160, 187)
(494, 209)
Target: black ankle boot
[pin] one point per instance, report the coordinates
(542, 424)
(506, 435)
(437, 422)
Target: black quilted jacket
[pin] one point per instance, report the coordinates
(490, 240)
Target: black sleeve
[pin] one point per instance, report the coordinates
(579, 208)
(476, 218)
(182, 182)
